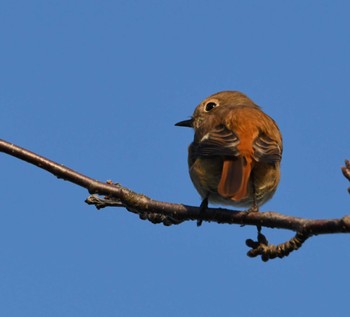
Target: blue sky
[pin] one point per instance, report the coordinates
(98, 86)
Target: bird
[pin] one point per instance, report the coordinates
(235, 156)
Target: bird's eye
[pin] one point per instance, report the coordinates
(210, 106)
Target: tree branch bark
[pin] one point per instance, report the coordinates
(171, 213)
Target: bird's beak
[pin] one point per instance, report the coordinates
(186, 123)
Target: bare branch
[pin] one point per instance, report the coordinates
(170, 213)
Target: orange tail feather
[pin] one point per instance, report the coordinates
(234, 179)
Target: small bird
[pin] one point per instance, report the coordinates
(235, 156)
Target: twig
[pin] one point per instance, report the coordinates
(346, 171)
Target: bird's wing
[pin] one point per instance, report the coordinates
(266, 149)
(218, 142)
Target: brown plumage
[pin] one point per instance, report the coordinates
(235, 156)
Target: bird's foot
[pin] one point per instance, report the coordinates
(254, 208)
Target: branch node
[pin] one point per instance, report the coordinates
(153, 217)
(103, 202)
(159, 218)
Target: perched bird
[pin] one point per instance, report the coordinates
(235, 156)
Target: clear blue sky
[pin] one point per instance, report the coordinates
(98, 86)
